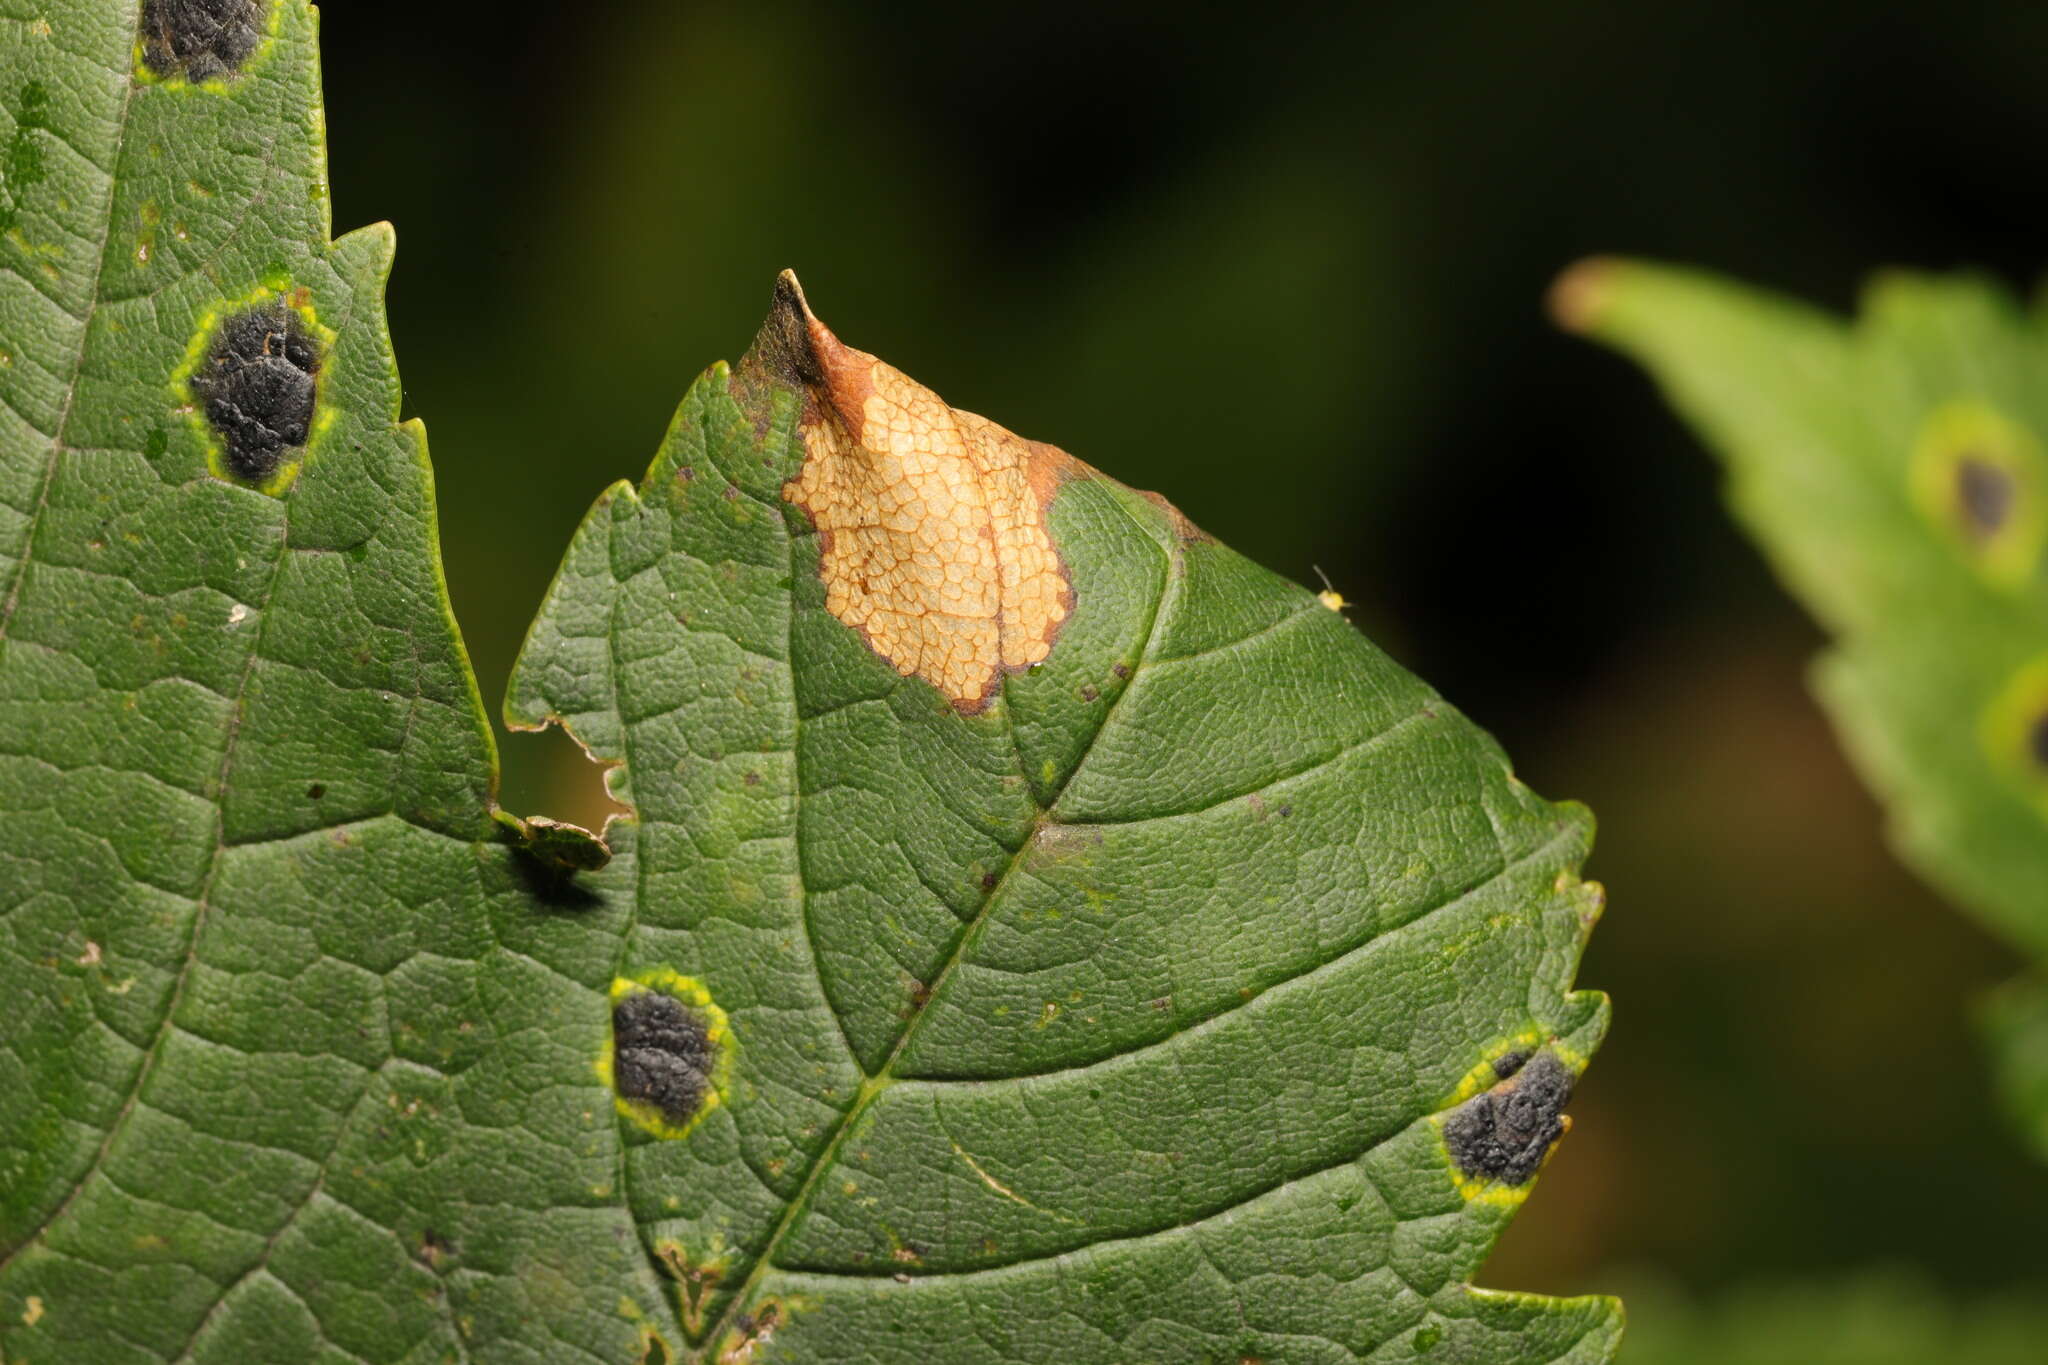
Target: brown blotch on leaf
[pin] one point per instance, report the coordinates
(750, 1333)
(784, 345)
(201, 40)
(931, 521)
(694, 1282)
(1505, 1133)
(1985, 494)
(2037, 739)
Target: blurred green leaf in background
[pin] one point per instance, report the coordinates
(1882, 1316)
(1893, 472)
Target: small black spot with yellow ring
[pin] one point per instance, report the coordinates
(670, 1052)
(2014, 731)
(252, 380)
(257, 387)
(1982, 480)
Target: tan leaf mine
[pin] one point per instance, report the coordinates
(931, 521)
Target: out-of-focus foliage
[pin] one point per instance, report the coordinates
(1895, 474)
(2014, 1019)
(1881, 1317)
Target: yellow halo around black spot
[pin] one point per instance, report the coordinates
(276, 296)
(689, 1003)
(2015, 731)
(202, 44)
(1982, 480)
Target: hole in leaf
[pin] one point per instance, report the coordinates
(547, 770)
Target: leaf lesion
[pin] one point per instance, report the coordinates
(874, 1083)
(931, 521)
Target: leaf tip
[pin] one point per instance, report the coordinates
(789, 341)
(1580, 295)
(931, 521)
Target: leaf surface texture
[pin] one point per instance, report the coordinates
(1040, 933)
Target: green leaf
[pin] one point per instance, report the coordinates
(2014, 1022)
(297, 1058)
(1041, 934)
(1108, 1007)
(1894, 472)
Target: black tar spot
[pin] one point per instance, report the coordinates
(1508, 1063)
(661, 1054)
(256, 387)
(1504, 1133)
(2037, 739)
(1985, 493)
(201, 40)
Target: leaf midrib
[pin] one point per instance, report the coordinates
(884, 1077)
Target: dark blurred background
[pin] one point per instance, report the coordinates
(1288, 266)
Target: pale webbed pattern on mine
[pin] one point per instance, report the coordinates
(932, 523)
